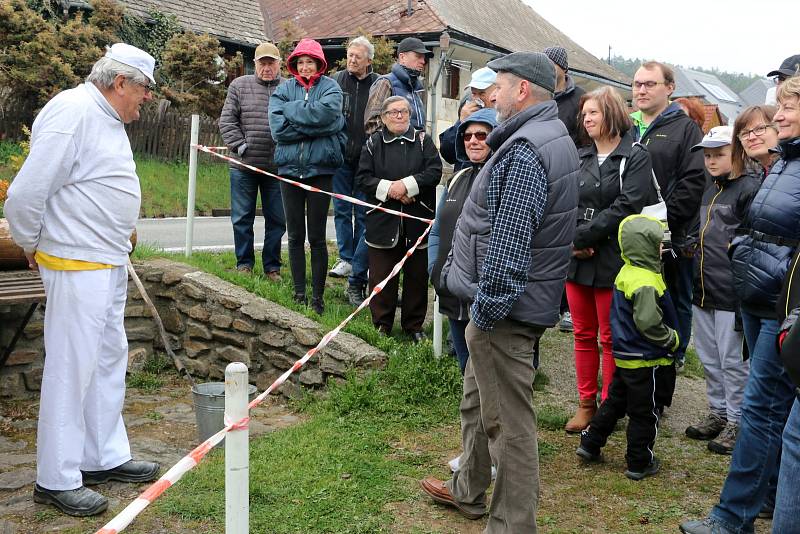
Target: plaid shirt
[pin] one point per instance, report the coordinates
(515, 199)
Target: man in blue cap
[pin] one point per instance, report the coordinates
(514, 237)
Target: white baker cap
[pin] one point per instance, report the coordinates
(133, 57)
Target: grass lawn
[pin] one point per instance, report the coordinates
(352, 466)
(164, 184)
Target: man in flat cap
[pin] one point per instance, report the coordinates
(244, 125)
(72, 208)
(402, 80)
(514, 237)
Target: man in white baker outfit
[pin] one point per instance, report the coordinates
(72, 208)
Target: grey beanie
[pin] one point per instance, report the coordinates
(532, 66)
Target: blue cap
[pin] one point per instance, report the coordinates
(482, 78)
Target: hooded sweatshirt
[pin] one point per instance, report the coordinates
(306, 121)
(643, 318)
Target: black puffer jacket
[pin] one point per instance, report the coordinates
(602, 207)
(761, 259)
(722, 210)
(245, 120)
(389, 157)
(354, 94)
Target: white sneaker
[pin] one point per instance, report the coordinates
(455, 464)
(341, 269)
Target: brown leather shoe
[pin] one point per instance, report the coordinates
(274, 276)
(437, 491)
(581, 419)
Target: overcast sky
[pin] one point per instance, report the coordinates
(735, 35)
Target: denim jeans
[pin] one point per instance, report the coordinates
(245, 186)
(349, 221)
(678, 274)
(457, 329)
(768, 397)
(787, 504)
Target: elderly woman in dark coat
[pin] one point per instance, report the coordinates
(399, 169)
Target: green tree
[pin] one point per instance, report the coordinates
(193, 72)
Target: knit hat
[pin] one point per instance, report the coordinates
(558, 55)
(532, 66)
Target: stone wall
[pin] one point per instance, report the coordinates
(210, 323)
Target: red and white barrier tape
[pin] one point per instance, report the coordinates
(188, 462)
(211, 150)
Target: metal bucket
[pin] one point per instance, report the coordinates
(209, 408)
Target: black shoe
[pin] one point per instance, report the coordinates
(318, 305)
(79, 502)
(418, 337)
(130, 471)
(650, 470)
(587, 456)
(355, 294)
(300, 298)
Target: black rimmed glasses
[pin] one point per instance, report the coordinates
(480, 136)
(396, 113)
(779, 79)
(758, 131)
(647, 85)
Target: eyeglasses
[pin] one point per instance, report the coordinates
(396, 113)
(148, 87)
(779, 79)
(647, 85)
(480, 136)
(758, 131)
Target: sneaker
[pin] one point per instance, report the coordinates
(702, 526)
(725, 441)
(355, 294)
(341, 269)
(455, 463)
(648, 471)
(588, 456)
(565, 324)
(708, 428)
(80, 502)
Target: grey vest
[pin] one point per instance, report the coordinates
(551, 245)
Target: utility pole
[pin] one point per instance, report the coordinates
(609, 54)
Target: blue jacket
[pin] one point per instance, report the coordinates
(760, 259)
(410, 89)
(307, 124)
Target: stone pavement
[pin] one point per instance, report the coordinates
(161, 427)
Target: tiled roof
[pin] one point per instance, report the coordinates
(239, 21)
(510, 25)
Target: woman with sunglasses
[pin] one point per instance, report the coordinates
(605, 199)
(399, 169)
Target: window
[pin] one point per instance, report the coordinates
(718, 92)
(451, 84)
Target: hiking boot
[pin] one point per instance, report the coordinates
(244, 269)
(274, 276)
(586, 410)
(648, 471)
(565, 324)
(341, 269)
(708, 428)
(724, 443)
(355, 294)
(80, 502)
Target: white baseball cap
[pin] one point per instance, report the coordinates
(716, 137)
(133, 57)
(482, 78)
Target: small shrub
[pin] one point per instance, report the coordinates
(145, 381)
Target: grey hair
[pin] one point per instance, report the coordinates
(363, 41)
(391, 100)
(106, 70)
(540, 93)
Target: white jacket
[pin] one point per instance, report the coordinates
(77, 195)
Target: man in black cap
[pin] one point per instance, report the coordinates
(567, 95)
(403, 80)
(790, 67)
(514, 237)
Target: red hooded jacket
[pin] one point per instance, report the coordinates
(307, 47)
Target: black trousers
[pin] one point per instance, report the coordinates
(415, 287)
(632, 392)
(307, 208)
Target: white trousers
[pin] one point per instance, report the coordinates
(83, 386)
(719, 347)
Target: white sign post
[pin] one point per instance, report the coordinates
(237, 453)
(192, 183)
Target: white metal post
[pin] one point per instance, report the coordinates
(192, 183)
(237, 453)
(437, 317)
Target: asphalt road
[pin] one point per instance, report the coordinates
(210, 233)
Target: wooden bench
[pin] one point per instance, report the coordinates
(20, 287)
